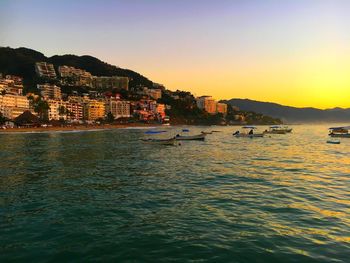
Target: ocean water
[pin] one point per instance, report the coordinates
(106, 196)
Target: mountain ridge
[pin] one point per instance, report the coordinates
(292, 114)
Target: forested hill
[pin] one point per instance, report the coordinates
(20, 61)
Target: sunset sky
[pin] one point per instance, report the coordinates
(293, 52)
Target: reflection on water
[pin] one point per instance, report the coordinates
(107, 196)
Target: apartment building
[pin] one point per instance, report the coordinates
(208, 104)
(11, 84)
(221, 108)
(114, 82)
(12, 105)
(153, 93)
(56, 109)
(49, 91)
(45, 70)
(72, 76)
(93, 110)
(119, 108)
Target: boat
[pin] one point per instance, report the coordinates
(251, 134)
(333, 142)
(286, 128)
(276, 130)
(199, 137)
(341, 132)
(171, 141)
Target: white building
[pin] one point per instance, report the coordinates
(119, 108)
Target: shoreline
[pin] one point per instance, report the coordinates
(77, 128)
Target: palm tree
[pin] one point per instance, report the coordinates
(41, 107)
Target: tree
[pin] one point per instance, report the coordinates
(110, 117)
(2, 119)
(41, 107)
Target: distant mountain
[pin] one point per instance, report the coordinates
(20, 61)
(292, 114)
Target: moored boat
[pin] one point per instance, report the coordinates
(340, 132)
(279, 129)
(333, 142)
(199, 137)
(251, 134)
(276, 129)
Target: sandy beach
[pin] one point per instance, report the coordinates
(78, 127)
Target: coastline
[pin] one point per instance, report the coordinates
(77, 128)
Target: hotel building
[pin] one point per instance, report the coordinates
(74, 76)
(208, 104)
(12, 106)
(11, 84)
(93, 110)
(110, 82)
(153, 93)
(49, 91)
(119, 108)
(54, 110)
(221, 108)
(45, 70)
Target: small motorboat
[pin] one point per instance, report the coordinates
(277, 129)
(333, 142)
(340, 132)
(246, 135)
(250, 134)
(199, 137)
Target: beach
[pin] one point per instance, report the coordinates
(78, 127)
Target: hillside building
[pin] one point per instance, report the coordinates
(12, 106)
(49, 91)
(93, 110)
(108, 83)
(45, 70)
(119, 108)
(208, 104)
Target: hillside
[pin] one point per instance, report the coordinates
(20, 61)
(292, 114)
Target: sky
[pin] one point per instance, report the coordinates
(293, 52)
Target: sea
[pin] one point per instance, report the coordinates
(107, 196)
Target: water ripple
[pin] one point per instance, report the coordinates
(104, 196)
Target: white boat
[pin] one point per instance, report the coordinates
(276, 129)
(333, 142)
(245, 134)
(199, 137)
(340, 132)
